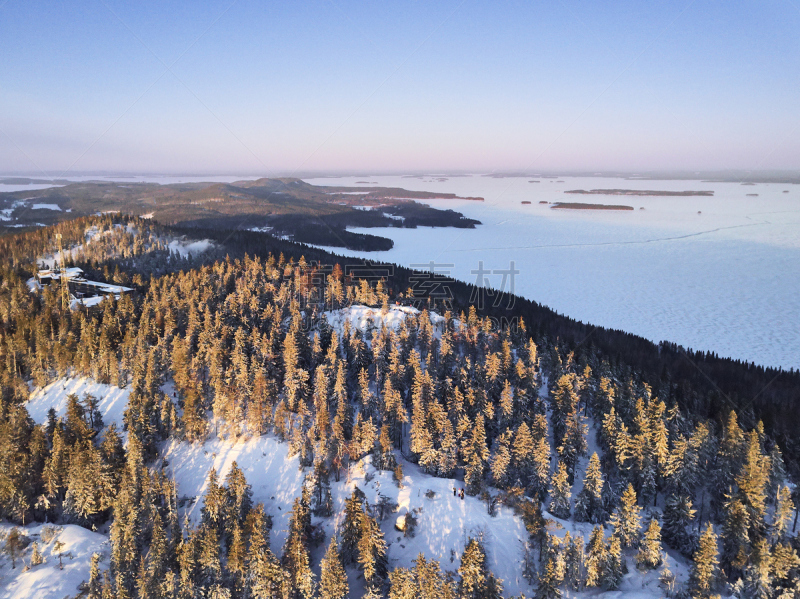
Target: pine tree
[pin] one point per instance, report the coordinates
(560, 493)
(704, 567)
(626, 519)
(332, 578)
(649, 554)
(13, 545)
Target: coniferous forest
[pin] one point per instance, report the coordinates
(657, 450)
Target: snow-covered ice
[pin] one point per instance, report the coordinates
(54, 207)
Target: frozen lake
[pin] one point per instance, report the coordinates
(725, 280)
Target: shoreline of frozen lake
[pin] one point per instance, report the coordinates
(725, 280)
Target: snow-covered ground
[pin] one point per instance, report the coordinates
(112, 400)
(46, 580)
(368, 319)
(184, 248)
(717, 273)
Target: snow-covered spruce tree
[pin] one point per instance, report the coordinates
(678, 516)
(702, 579)
(626, 519)
(552, 574)
(424, 581)
(560, 493)
(589, 502)
(36, 555)
(476, 582)
(351, 529)
(476, 455)
(595, 557)
(332, 578)
(372, 552)
(575, 561)
(296, 558)
(649, 555)
(573, 445)
(614, 567)
(784, 507)
(265, 577)
(758, 574)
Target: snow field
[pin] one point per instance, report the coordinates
(46, 579)
(112, 400)
(368, 319)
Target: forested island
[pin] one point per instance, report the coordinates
(582, 206)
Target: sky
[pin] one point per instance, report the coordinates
(334, 86)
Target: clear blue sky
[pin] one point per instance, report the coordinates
(261, 87)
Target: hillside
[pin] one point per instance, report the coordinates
(247, 426)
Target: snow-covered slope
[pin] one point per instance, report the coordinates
(46, 580)
(445, 522)
(112, 400)
(368, 319)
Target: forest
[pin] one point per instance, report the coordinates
(657, 448)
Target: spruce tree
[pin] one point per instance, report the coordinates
(332, 578)
(614, 567)
(351, 529)
(372, 552)
(595, 557)
(704, 567)
(626, 519)
(296, 558)
(589, 502)
(560, 493)
(649, 554)
(678, 516)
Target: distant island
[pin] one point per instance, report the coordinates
(525, 202)
(286, 207)
(638, 192)
(582, 206)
